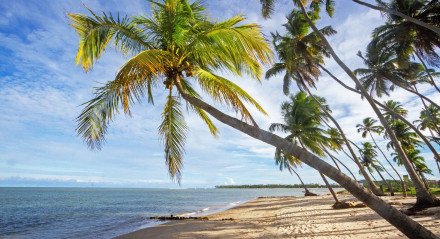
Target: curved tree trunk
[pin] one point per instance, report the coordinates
(402, 183)
(302, 183)
(331, 157)
(421, 96)
(345, 166)
(371, 185)
(396, 13)
(424, 197)
(329, 188)
(390, 187)
(427, 72)
(405, 224)
(384, 107)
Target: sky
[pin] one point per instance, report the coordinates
(41, 92)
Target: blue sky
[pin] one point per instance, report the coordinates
(41, 90)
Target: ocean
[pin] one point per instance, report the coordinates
(106, 213)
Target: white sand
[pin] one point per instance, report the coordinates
(288, 217)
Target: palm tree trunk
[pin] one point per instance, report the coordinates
(329, 188)
(427, 72)
(406, 17)
(331, 157)
(371, 185)
(405, 224)
(302, 183)
(438, 164)
(390, 187)
(402, 183)
(424, 197)
(345, 166)
(421, 96)
(371, 173)
(384, 107)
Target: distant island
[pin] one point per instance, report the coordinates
(277, 186)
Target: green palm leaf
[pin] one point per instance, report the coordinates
(173, 132)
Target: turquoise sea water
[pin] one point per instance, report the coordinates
(105, 213)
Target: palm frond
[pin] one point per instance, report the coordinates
(267, 7)
(95, 32)
(228, 46)
(132, 82)
(226, 92)
(173, 133)
(278, 127)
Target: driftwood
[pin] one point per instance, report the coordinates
(345, 205)
(172, 217)
(310, 194)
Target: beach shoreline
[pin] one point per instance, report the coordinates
(288, 217)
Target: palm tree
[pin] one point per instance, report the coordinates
(368, 127)
(177, 44)
(302, 122)
(301, 54)
(369, 161)
(383, 73)
(288, 162)
(411, 142)
(406, 38)
(424, 197)
(430, 119)
(418, 163)
(158, 42)
(336, 143)
(389, 112)
(425, 22)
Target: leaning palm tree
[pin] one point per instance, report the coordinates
(430, 119)
(368, 127)
(290, 163)
(424, 197)
(418, 163)
(411, 142)
(407, 38)
(301, 57)
(336, 143)
(370, 162)
(178, 44)
(383, 73)
(424, 20)
(174, 44)
(302, 122)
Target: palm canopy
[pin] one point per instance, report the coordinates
(177, 44)
(268, 6)
(369, 126)
(300, 52)
(418, 161)
(405, 37)
(369, 157)
(429, 118)
(302, 122)
(383, 72)
(408, 139)
(395, 107)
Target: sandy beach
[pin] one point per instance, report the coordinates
(289, 217)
